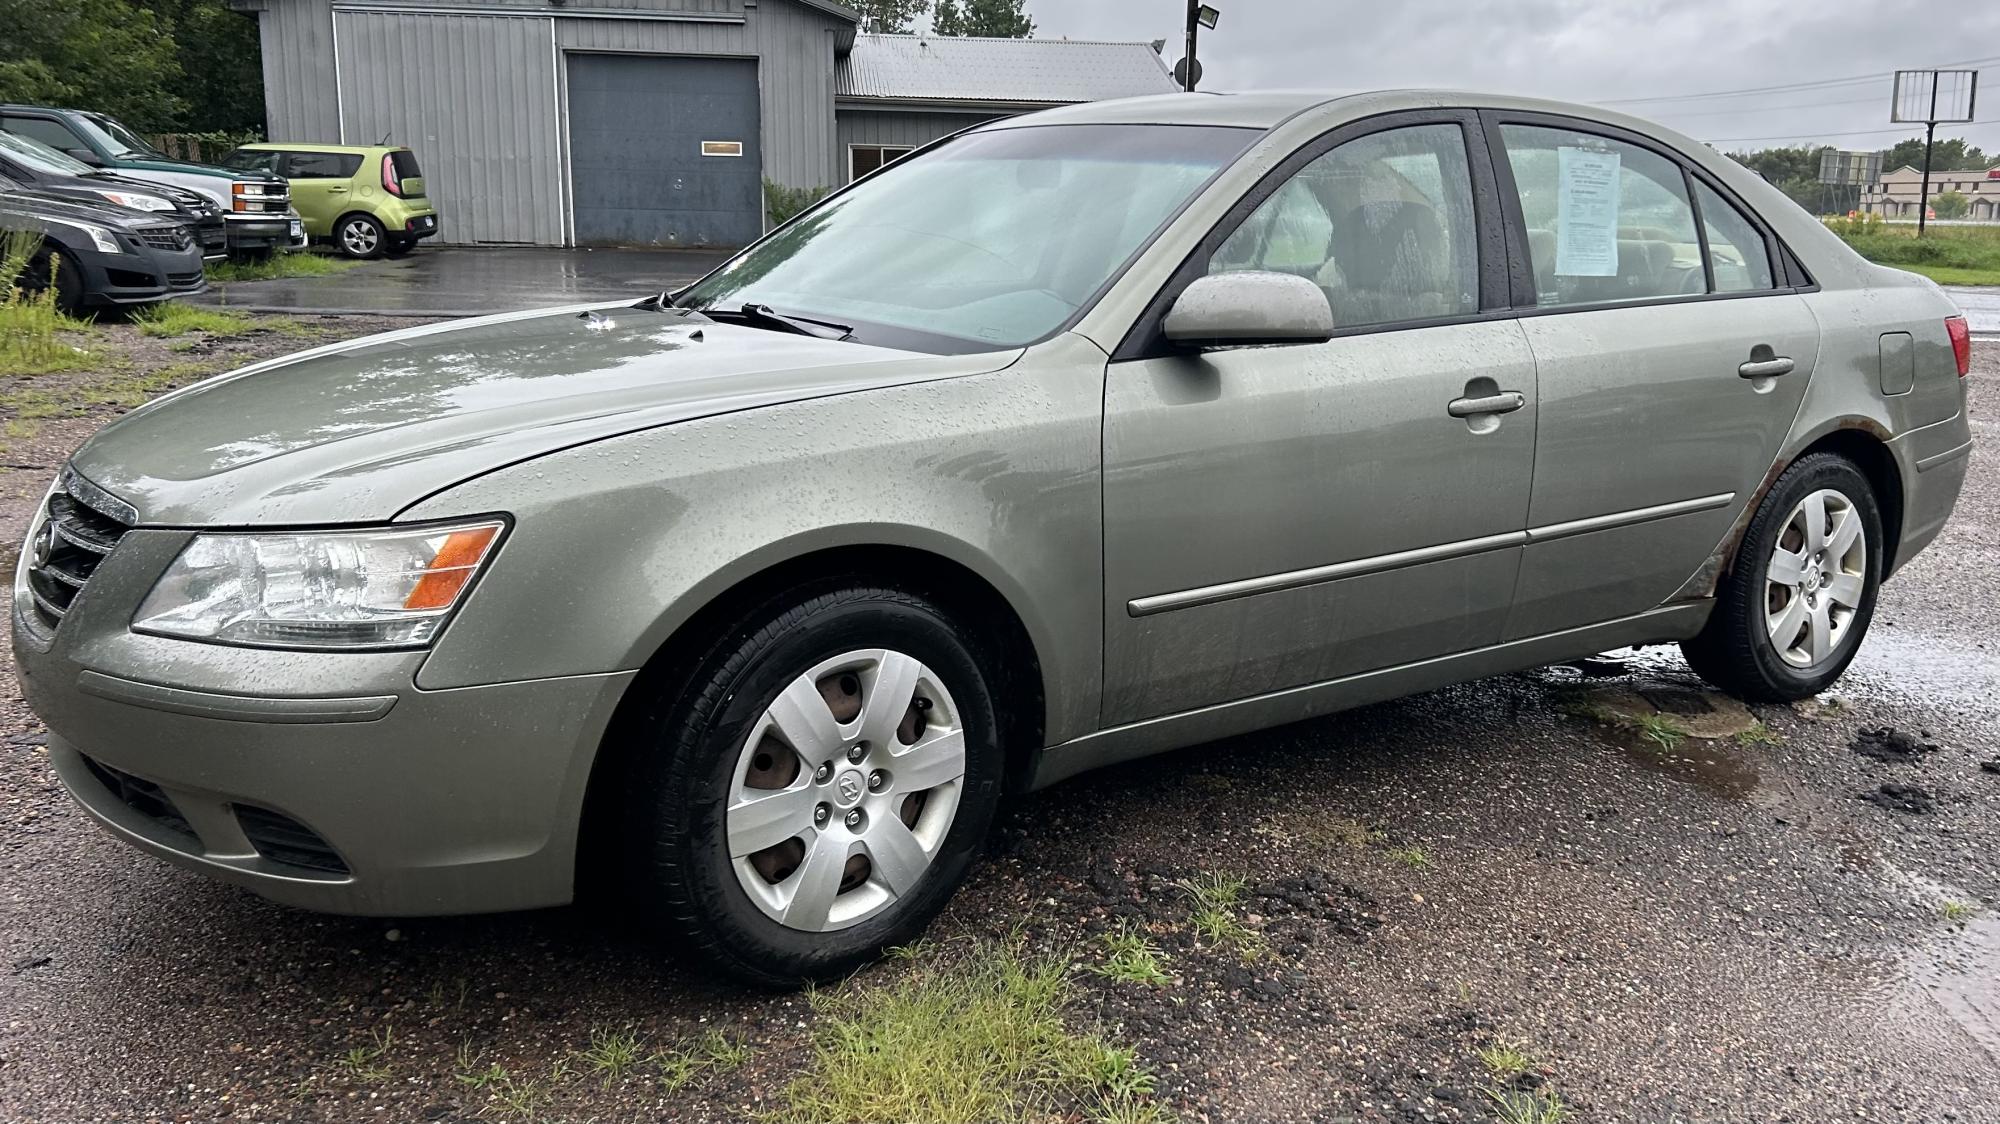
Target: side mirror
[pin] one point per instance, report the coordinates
(1239, 309)
(85, 155)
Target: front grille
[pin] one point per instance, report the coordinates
(166, 237)
(184, 280)
(214, 234)
(283, 839)
(67, 549)
(142, 796)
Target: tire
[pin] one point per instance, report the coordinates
(69, 285)
(696, 770)
(1739, 650)
(360, 237)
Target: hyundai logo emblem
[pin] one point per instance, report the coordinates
(44, 548)
(850, 787)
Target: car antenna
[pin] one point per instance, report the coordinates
(383, 142)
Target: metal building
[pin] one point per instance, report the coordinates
(646, 122)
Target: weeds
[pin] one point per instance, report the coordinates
(475, 1077)
(1130, 958)
(364, 1063)
(278, 265)
(1759, 734)
(713, 1053)
(1518, 1106)
(975, 1033)
(517, 1098)
(611, 1054)
(1215, 897)
(172, 318)
(1506, 1059)
(1956, 912)
(29, 319)
(1416, 858)
(1659, 729)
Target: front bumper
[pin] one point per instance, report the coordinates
(386, 799)
(143, 277)
(253, 233)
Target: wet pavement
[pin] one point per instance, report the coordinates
(467, 281)
(1981, 306)
(1708, 929)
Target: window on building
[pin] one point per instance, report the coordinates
(865, 158)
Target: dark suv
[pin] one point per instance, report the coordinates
(42, 169)
(103, 256)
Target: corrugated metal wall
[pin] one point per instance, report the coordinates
(476, 97)
(904, 127)
(297, 41)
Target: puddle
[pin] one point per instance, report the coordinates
(1897, 664)
(1716, 767)
(1957, 970)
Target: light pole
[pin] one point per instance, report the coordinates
(1199, 15)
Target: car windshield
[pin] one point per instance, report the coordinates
(994, 240)
(41, 157)
(116, 138)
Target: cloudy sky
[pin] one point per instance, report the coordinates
(1833, 57)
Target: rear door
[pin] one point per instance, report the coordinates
(1672, 354)
(1280, 516)
(322, 187)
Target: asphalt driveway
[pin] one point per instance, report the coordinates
(468, 281)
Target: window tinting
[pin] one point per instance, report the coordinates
(252, 160)
(1737, 248)
(1383, 224)
(1607, 221)
(51, 133)
(405, 162)
(321, 165)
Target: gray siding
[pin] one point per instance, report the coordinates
(297, 41)
(905, 127)
(476, 97)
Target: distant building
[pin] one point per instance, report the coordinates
(647, 122)
(1896, 194)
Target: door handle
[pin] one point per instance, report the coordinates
(1505, 402)
(336, 191)
(1766, 368)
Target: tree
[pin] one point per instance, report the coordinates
(1949, 205)
(91, 54)
(891, 17)
(1949, 155)
(1794, 171)
(222, 60)
(997, 19)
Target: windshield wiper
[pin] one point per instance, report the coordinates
(764, 316)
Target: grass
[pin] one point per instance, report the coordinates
(1518, 1106)
(124, 389)
(976, 1032)
(1214, 898)
(31, 327)
(1955, 911)
(1130, 958)
(712, 1053)
(279, 265)
(172, 318)
(1759, 734)
(1416, 858)
(474, 1076)
(611, 1054)
(1949, 255)
(1506, 1059)
(364, 1063)
(1660, 730)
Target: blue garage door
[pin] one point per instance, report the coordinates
(663, 151)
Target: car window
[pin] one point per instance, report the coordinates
(321, 165)
(1606, 220)
(252, 160)
(118, 139)
(406, 164)
(34, 154)
(1383, 224)
(51, 133)
(1742, 264)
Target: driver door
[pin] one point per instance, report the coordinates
(1281, 516)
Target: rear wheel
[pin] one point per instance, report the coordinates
(359, 236)
(68, 283)
(820, 788)
(1791, 614)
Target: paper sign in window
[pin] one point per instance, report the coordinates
(722, 148)
(1586, 213)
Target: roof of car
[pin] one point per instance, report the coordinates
(1264, 109)
(1012, 71)
(287, 146)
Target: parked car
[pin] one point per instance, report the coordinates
(1070, 439)
(41, 168)
(255, 205)
(367, 200)
(100, 255)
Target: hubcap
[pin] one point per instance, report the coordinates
(1814, 583)
(844, 790)
(358, 237)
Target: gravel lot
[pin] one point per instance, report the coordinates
(1724, 930)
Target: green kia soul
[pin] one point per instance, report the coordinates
(368, 200)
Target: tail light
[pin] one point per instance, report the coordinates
(1961, 343)
(391, 182)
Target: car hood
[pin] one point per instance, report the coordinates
(190, 168)
(358, 431)
(52, 204)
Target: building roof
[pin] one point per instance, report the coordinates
(938, 68)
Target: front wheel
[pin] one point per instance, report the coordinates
(359, 236)
(1791, 614)
(820, 788)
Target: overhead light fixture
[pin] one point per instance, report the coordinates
(1206, 16)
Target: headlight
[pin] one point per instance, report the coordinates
(318, 589)
(101, 237)
(137, 202)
